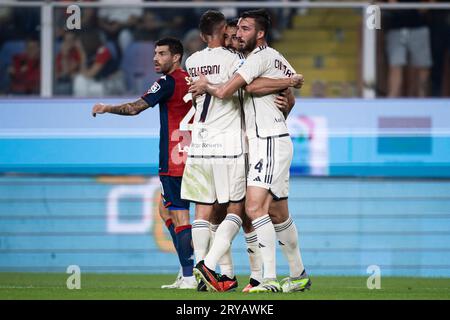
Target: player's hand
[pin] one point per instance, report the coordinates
(281, 102)
(198, 87)
(297, 81)
(99, 108)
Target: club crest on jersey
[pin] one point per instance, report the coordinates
(203, 133)
(154, 88)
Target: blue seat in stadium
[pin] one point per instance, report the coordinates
(8, 50)
(137, 65)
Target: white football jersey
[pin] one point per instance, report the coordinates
(262, 117)
(217, 128)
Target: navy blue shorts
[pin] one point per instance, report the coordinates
(171, 193)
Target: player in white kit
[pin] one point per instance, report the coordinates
(270, 148)
(215, 170)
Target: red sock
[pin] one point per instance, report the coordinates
(168, 222)
(181, 228)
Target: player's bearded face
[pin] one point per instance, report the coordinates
(163, 59)
(247, 35)
(231, 40)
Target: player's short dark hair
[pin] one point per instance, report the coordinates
(262, 19)
(175, 45)
(232, 23)
(210, 21)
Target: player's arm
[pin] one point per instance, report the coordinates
(244, 74)
(221, 91)
(125, 109)
(263, 86)
(161, 90)
(226, 90)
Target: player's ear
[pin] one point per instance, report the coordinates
(203, 37)
(176, 58)
(260, 34)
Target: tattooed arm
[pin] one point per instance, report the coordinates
(125, 109)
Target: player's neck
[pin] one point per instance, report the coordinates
(215, 43)
(174, 67)
(261, 42)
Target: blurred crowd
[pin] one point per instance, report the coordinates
(417, 51)
(110, 54)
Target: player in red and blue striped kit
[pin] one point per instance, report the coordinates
(169, 92)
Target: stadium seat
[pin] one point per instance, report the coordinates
(138, 67)
(324, 45)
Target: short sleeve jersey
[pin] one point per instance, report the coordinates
(217, 127)
(169, 92)
(262, 117)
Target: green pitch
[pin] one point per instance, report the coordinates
(101, 286)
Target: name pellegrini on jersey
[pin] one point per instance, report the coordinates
(205, 70)
(216, 127)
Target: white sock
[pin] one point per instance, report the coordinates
(226, 261)
(288, 240)
(254, 256)
(266, 238)
(226, 264)
(213, 229)
(200, 238)
(225, 234)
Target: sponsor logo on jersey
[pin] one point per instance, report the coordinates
(154, 88)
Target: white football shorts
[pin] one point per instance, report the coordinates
(269, 163)
(207, 180)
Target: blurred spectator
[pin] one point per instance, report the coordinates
(27, 20)
(88, 18)
(25, 70)
(8, 33)
(119, 23)
(408, 36)
(68, 61)
(6, 25)
(149, 27)
(440, 45)
(178, 20)
(191, 43)
(99, 74)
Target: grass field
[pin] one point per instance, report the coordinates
(129, 286)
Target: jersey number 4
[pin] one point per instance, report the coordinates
(259, 166)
